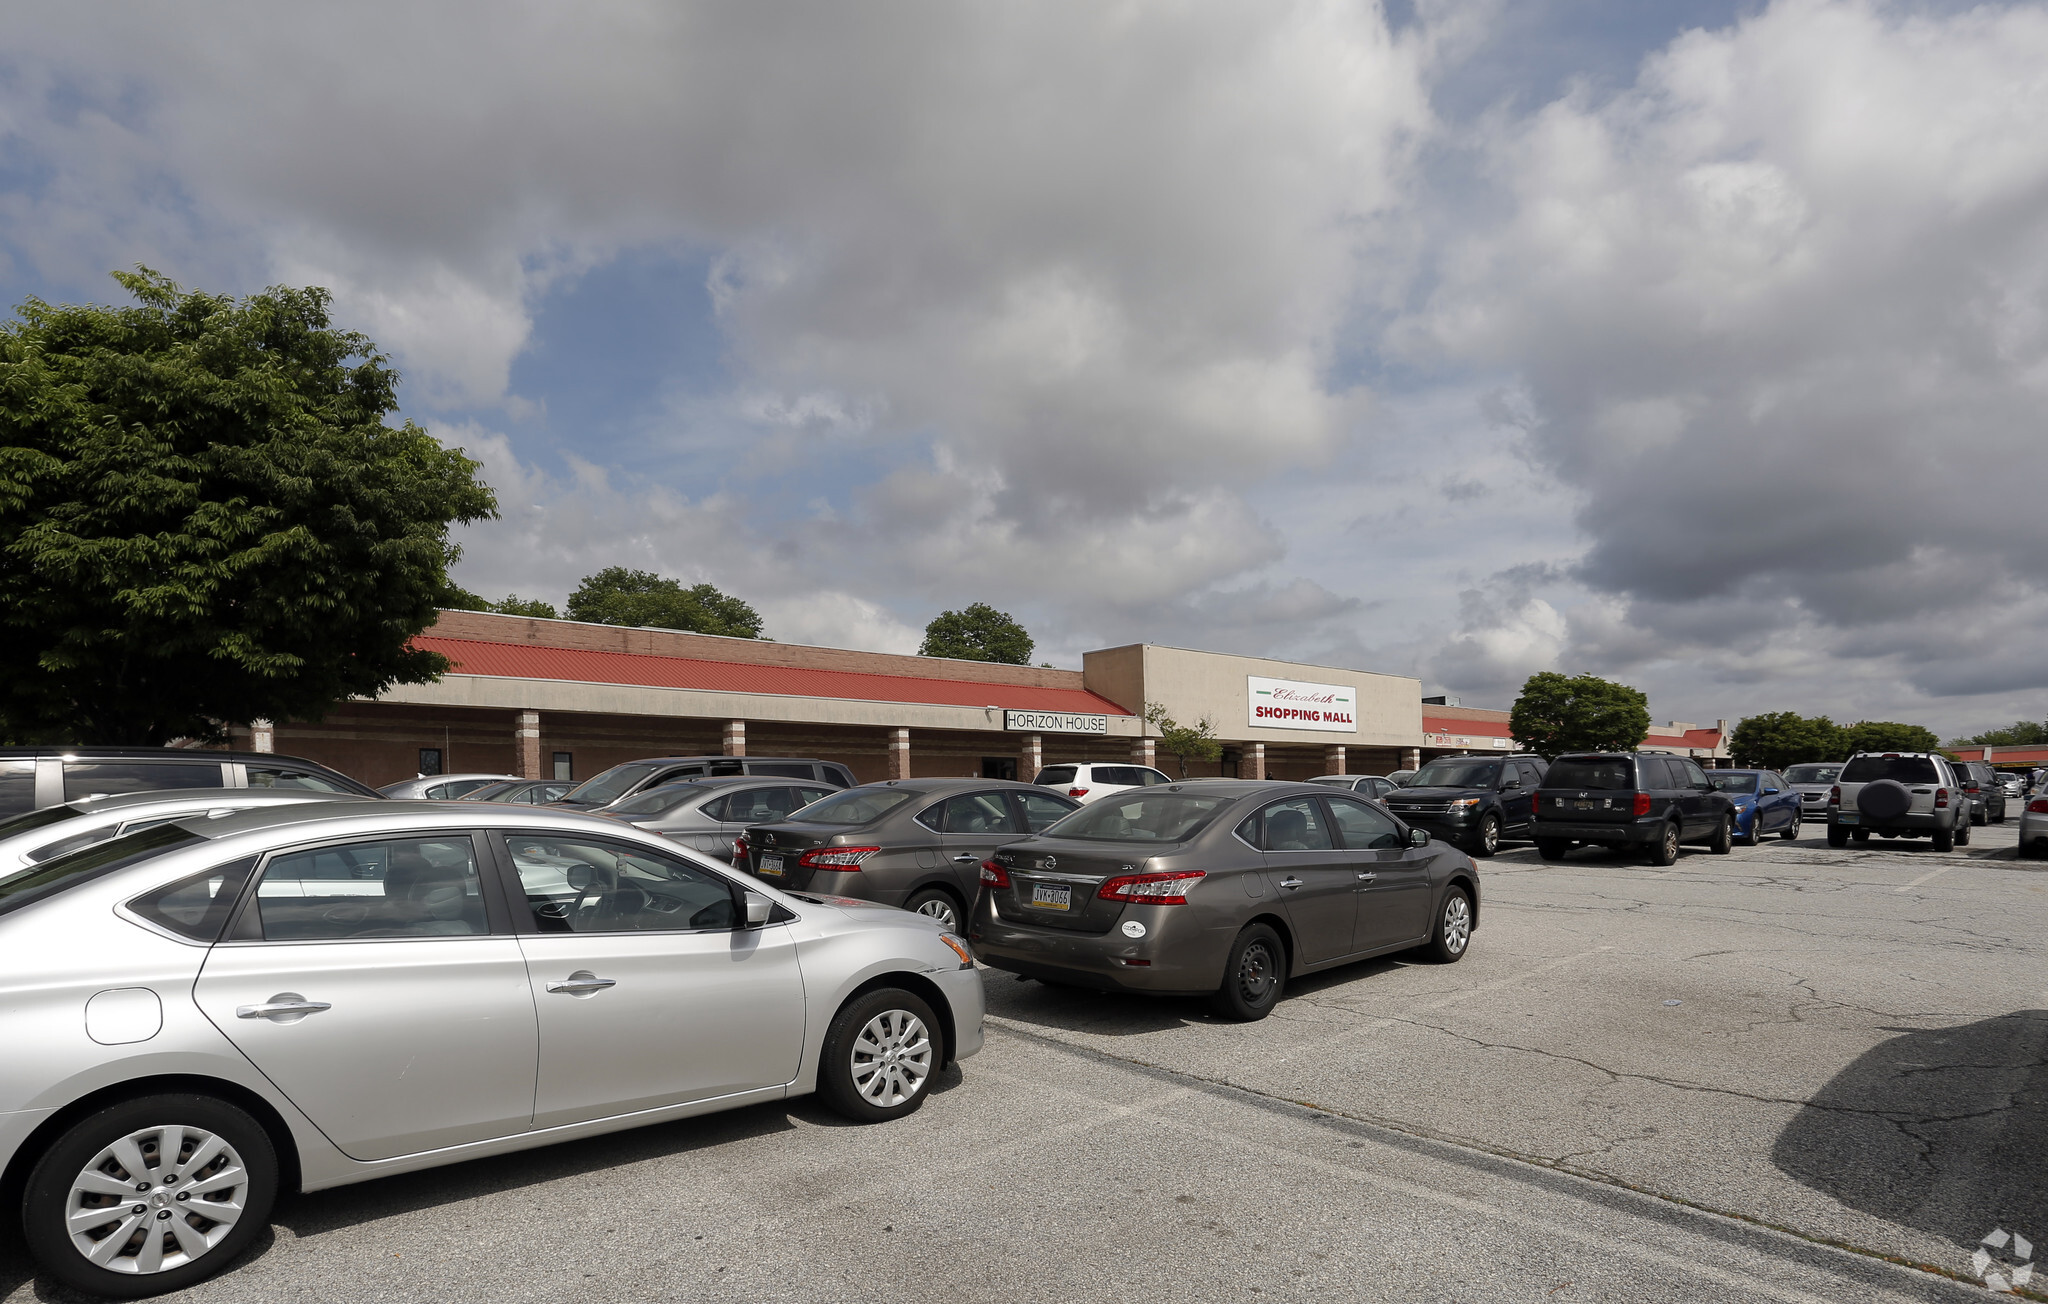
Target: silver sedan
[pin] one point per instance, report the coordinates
(197, 1013)
(707, 814)
(38, 835)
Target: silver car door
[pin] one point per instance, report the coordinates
(363, 979)
(650, 990)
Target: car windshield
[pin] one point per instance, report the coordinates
(36, 819)
(656, 801)
(1899, 769)
(1731, 781)
(1457, 772)
(51, 877)
(855, 806)
(1140, 817)
(1591, 775)
(603, 789)
(1812, 773)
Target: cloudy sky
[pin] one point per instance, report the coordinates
(1700, 344)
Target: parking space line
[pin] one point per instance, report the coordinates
(1930, 874)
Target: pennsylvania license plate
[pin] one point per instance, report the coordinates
(1846, 818)
(770, 865)
(1582, 805)
(1052, 896)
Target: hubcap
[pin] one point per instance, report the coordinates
(1255, 973)
(892, 1058)
(1457, 925)
(156, 1199)
(941, 909)
(1489, 835)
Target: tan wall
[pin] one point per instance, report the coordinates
(1193, 684)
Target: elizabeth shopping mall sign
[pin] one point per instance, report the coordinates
(1290, 704)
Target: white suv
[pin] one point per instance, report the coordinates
(1086, 783)
(1899, 795)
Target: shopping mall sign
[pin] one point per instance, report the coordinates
(1054, 722)
(1290, 704)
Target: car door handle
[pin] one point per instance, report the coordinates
(1290, 883)
(1367, 878)
(284, 1005)
(582, 983)
(968, 860)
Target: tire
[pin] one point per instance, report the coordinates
(1452, 936)
(1945, 839)
(1664, 851)
(1963, 836)
(1253, 976)
(81, 1169)
(879, 1057)
(1552, 848)
(1723, 840)
(1979, 817)
(1790, 832)
(1487, 840)
(937, 904)
(2000, 817)
(1837, 836)
(1755, 836)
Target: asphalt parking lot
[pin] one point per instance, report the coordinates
(1743, 1077)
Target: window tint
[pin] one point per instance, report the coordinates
(614, 783)
(1457, 772)
(1900, 769)
(1655, 772)
(196, 907)
(1296, 825)
(1041, 810)
(401, 887)
(1591, 775)
(1361, 827)
(100, 778)
(723, 768)
(577, 884)
(26, 886)
(1147, 816)
(1734, 781)
(761, 805)
(855, 806)
(17, 787)
(978, 812)
(1532, 775)
(272, 776)
(1055, 776)
(503, 790)
(1690, 775)
(1127, 775)
(783, 769)
(661, 800)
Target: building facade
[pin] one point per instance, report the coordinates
(1447, 730)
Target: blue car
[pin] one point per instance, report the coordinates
(1764, 803)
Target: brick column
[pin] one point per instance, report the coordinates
(525, 745)
(1143, 750)
(262, 736)
(1333, 760)
(1030, 757)
(1253, 764)
(899, 753)
(735, 737)
(1411, 758)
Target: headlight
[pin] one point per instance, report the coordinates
(1464, 803)
(958, 946)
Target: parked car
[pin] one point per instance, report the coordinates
(1223, 889)
(2015, 785)
(914, 843)
(2034, 827)
(1764, 803)
(522, 792)
(35, 836)
(1400, 778)
(349, 990)
(637, 776)
(442, 787)
(1472, 801)
(1648, 801)
(1899, 795)
(32, 778)
(707, 815)
(1365, 785)
(1813, 781)
(1090, 782)
(1986, 793)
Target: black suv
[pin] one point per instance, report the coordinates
(1471, 801)
(1986, 791)
(34, 777)
(1648, 800)
(637, 776)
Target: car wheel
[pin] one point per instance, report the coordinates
(1945, 839)
(1552, 848)
(1253, 976)
(1791, 831)
(1724, 839)
(879, 1056)
(2000, 817)
(1963, 836)
(1755, 836)
(1487, 840)
(1837, 836)
(1979, 817)
(938, 905)
(150, 1195)
(1453, 928)
(1664, 851)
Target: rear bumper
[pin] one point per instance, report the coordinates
(1181, 958)
(1633, 833)
(1853, 820)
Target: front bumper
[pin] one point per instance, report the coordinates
(1180, 956)
(1634, 833)
(962, 989)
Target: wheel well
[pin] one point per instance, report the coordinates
(273, 1124)
(940, 885)
(1471, 894)
(1278, 925)
(923, 987)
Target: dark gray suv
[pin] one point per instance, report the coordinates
(1986, 792)
(1645, 801)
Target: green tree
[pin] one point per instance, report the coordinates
(637, 598)
(1578, 713)
(1886, 736)
(977, 633)
(204, 518)
(514, 605)
(2020, 733)
(1781, 738)
(1195, 742)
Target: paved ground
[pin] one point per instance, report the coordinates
(1846, 1044)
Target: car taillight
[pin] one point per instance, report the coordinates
(739, 850)
(1835, 795)
(1077, 792)
(839, 860)
(1941, 799)
(1642, 804)
(1152, 889)
(994, 875)
(2038, 806)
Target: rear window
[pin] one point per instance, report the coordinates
(602, 789)
(1055, 776)
(1591, 775)
(656, 801)
(1151, 816)
(856, 806)
(1813, 773)
(1900, 769)
(27, 886)
(1458, 773)
(104, 778)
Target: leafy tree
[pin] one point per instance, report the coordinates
(1886, 736)
(1578, 713)
(457, 598)
(1196, 742)
(204, 518)
(977, 633)
(2020, 733)
(514, 605)
(1781, 738)
(617, 596)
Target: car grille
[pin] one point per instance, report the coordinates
(1420, 808)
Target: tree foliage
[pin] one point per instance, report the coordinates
(204, 518)
(460, 599)
(1557, 713)
(1887, 736)
(977, 633)
(1781, 738)
(1195, 742)
(637, 598)
(2020, 733)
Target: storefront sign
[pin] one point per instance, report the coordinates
(1054, 722)
(1288, 704)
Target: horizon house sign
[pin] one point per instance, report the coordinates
(1054, 722)
(1292, 704)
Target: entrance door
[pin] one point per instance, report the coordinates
(999, 767)
(1317, 885)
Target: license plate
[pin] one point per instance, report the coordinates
(1846, 818)
(770, 865)
(1582, 805)
(1052, 896)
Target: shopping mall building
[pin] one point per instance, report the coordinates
(554, 698)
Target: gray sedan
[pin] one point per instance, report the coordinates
(1220, 888)
(202, 1012)
(442, 787)
(708, 815)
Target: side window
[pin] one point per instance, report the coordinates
(579, 884)
(1654, 774)
(1249, 830)
(196, 907)
(104, 778)
(271, 776)
(783, 769)
(721, 768)
(1156, 777)
(1296, 825)
(1040, 810)
(805, 796)
(1361, 827)
(716, 808)
(978, 812)
(1510, 777)
(401, 887)
(781, 801)
(1695, 777)
(1532, 775)
(17, 787)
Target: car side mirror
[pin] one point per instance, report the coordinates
(1768, 792)
(758, 909)
(1418, 837)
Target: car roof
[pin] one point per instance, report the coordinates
(204, 797)
(675, 760)
(731, 781)
(340, 816)
(936, 785)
